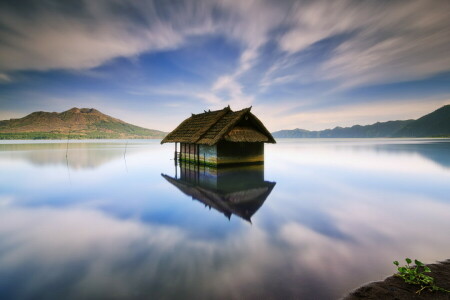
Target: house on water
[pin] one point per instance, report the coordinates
(220, 137)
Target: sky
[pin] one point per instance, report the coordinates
(299, 64)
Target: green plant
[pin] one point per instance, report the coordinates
(416, 275)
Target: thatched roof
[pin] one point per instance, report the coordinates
(243, 204)
(213, 126)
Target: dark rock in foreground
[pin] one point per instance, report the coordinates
(394, 287)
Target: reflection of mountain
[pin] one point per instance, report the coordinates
(79, 155)
(438, 152)
(239, 191)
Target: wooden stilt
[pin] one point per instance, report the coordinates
(175, 154)
(198, 164)
(198, 155)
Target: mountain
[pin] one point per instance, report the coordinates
(435, 124)
(75, 123)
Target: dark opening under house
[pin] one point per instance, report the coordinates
(220, 137)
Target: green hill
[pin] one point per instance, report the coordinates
(435, 124)
(75, 123)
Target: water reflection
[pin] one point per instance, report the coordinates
(76, 155)
(437, 152)
(340, 213)
(239, 191)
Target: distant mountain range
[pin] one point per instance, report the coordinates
(75, 123)
(89, 123)
(435, 124)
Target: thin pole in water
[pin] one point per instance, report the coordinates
(67, 146)
(124, 156)
(67, 159)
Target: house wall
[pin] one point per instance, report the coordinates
(203, 154)
(223, 153)
(237, 153)
(208, 154)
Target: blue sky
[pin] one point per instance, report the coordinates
(300, 64)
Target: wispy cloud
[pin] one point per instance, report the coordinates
(90, 33)
(276, 55)
(56, 39)
(387, 42)
(5, 78)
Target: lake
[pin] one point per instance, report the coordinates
(118, 220)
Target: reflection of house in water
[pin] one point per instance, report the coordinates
(239, 191)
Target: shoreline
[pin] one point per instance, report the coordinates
(394, 287)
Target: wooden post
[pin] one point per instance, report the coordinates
(175, 154)
(198, 154)
(176, 163)
(198, 164)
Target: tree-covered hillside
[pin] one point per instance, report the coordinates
(74, 124)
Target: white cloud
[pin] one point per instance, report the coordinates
(5, 78)
(94, 33)
(98, 31)
(388, 42)
(252, 22)
(51, 39)
(314, 21)
(209, 98)
(236, 98)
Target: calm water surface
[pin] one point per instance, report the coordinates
(120, 221)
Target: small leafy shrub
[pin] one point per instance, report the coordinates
(416, 275)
